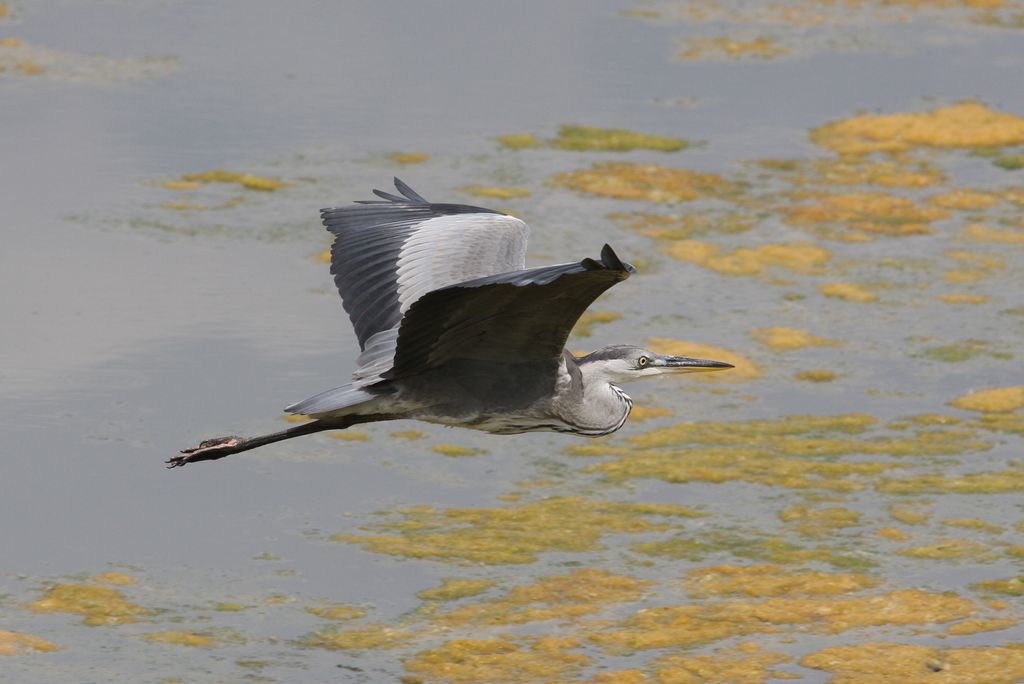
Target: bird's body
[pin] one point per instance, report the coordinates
(455, 330)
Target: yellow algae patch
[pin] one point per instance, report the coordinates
(948, 548)
(641, 414)
(1013, 586)
(724, 47)
(974, 524)
(370, 637)
(848, 292)
(980, 625)
(679, 227)
(408, 434)
(745, 663)
(453, 589)
(964, 200)
(514, 534)
(759, 581)
(981, 233)
(179, 638)
(1002, 422)
(581, 592)
(963, 298)
(15, 643)
(572, 137)
(819, 375)
(966, 124)
(183, 206)
(995, 400)
(518, 141)
(495, 192)
(985, 262)
(650, 182)
(763, 548)
(497, 661)
(4, 10)
(742, 433)
(116, 578)
(349, 436)
(408, 157)
(780, 338)
(181, 185)
(292, 418)
(99, 605)
(585, 325)
(892, 534)
(30, 68)
(962, 276)
(872, 213)
(799, 257)
(689, 625)
(851, 171)
(337, 612)
(229, 607)
(992, 482)
(819, 522)
(456, 451)
(745, 369)
(246, 180)
(909, 515)
(880, 663)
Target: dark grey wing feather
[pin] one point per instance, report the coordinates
(388, 252)
(517, 317)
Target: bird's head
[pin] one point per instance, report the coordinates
(624, 362)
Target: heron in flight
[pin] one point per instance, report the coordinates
(454, 329)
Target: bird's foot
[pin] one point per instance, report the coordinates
(208, 450)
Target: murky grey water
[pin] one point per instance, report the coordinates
(132, 329)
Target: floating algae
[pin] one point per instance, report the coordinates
(964, 200)
(649, 182)
(963, 125)
(855, 171)
(16, 643)
(683, 226)
(456, 451)
(977, 625)
(336, 612)
(745, 663)
(868, 214)
(519, 141)
(758, 581)
(821, 522)
(762, 548)
(963, 298)
(780, 338)
(815, 375)
(369, 637)
(99, 605)
(950, 549)
(453, 589)
(408, 157)
(994, 400)
(847, 292)
(981, 233)
(181, 638)
(495, 192)
(641, 414)
(246, 180)
(726, 48)
(1014, 586)
(514, 534)
(497, 660)
(990, 482)
(588, 138)
(797, 257)
(882, 662)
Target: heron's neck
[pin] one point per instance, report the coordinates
(602, 406)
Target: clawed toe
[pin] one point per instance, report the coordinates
(208, 450)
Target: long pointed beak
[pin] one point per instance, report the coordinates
(685, 364)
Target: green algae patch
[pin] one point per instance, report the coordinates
(495, 192)
(974, 524)
(957, 352)
(336, 612)
(897, 172)
(1009, 162)
(990, 482)
(246, 180)
(883, 662)
(1014, 586)
(745, 663)
(453, 589)
(818, 375)
(759, 581)
(181, 638)
(497, 660)
(99, 605)
(909, 515)
(587, 138)
(515, 534)
(695, 624)
(647, 182)
(116, 578)
(796, 257)
(408, 157)
(726, 48)
(963, 125)
(17, 643)
(564, 597)
(585, 325)
(819, 522)
(949, 549)
(745, 369)
(994, 400)
(364, 638)
(519, 141)
(780, 338)
(1001, 422)
(848, 292)
(456, 451)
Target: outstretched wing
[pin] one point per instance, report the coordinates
(388, 253)
(517, 317)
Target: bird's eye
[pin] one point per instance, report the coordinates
(642, 361)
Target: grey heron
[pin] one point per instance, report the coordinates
(454, 329)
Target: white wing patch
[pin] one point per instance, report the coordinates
(447, 250)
